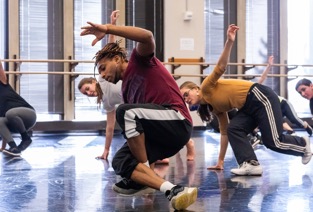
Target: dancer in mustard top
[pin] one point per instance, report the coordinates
(258, 106)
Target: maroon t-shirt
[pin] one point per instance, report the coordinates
(146, 80)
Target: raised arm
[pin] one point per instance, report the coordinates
(231, 36)
(3, 76)
(144, 38)
(267, 69)
(220, 68)
(114, 16)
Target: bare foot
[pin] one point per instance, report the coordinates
(190, 150)
(164, 161)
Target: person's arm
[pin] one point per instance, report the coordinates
(223, 120)
(144, 38)
(109, 132)
(222, 61)
(267, 69)
(3, 76)
(114, 17)
(231, 36)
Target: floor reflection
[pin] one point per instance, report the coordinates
(60, 173)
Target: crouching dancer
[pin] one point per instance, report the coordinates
(16, 116)
(155, 120)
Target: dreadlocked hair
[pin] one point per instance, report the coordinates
(110, 50)
(204, 111)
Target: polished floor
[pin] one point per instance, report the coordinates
(60, 173)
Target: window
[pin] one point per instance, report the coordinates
(214, 29)
(3, 14)
(300, 49)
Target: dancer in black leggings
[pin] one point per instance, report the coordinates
(16, 116)
(287, 109)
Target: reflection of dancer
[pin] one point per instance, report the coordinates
(16, 192)
(189, 176)
(16, 115)
(147, 106)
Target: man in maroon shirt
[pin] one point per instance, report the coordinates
(155, 120)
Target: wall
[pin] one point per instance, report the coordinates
(176, 28)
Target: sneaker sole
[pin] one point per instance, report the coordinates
(119, 191)
(25, 147)
(308, 153)
(11, 153)
(185, 200)
(247, 173)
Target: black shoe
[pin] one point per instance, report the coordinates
(259, 138)
(255, 139)
(15, 152)
(291, 132)
(309, 130)
(130, 188)
(24, 144)
(182, 197)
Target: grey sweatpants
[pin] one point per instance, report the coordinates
(16, 120)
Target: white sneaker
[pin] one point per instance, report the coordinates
(308, 153)
(182, 197)
(248, 168)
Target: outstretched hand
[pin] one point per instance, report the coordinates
(231, 32)
(98, 30)
(114, 16)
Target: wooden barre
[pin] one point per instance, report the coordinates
(45, 72)
(47, 61)
(246, 75)
(186, 61)
(181, 75)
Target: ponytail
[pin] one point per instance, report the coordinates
(204, 111)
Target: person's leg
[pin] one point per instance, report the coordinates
(290, 113)
(238, 129)
(4, 144)
(190, 150)
(163, 161)
(5, 132)
(22, 119)
(265, 107)
(6, 135)
(287, 128)
(190, 153)
(170, 133)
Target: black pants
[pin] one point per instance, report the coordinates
(262, 108)
(289, 112)
(166, 132)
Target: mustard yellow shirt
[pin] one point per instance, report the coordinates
(224, 95)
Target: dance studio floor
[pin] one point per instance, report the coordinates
(60, 173)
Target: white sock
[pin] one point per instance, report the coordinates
(166, 186)
(147, 163)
